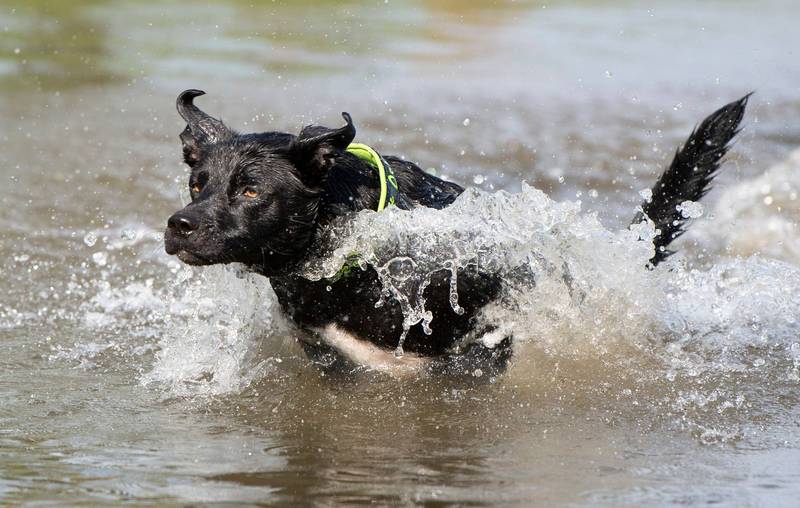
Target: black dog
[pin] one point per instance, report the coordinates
(262, 200)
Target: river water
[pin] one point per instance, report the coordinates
(126, 377)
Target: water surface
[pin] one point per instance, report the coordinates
(127, 377)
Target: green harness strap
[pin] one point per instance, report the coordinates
(389, 193)
(389, 189)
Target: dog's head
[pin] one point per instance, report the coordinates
(255, 197)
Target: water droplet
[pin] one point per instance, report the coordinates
(608, 74)
(90, 238)
(466, 122)
(593, 193)
(100, 258)
(458, 309)
(646, 194)
(478, 179)
(690, 209)
(400, 268)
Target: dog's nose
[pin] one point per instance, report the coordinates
(182, 224)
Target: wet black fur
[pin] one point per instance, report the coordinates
(689, 176)
(263, 199)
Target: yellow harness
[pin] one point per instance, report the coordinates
(389, 189)
(389, 193)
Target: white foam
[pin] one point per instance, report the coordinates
(757, 216)
(207, 324)
(210, 345)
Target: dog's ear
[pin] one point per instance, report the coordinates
(316, 148)
(201, 129)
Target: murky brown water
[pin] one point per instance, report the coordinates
(125, 378)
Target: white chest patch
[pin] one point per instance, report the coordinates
(366, 354)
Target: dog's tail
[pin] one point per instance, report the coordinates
(688, 177)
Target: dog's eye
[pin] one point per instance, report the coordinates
(196, 188)
(250, 193)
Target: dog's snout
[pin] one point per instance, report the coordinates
(183, 224)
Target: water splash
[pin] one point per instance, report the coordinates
(205, 326)
(211, 342)
(578, 294)
(757, 216)
(526, 237)
(578, 299)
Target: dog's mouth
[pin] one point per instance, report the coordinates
(265, 260)
(191, 259)
(187, 257)
(177, 248)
